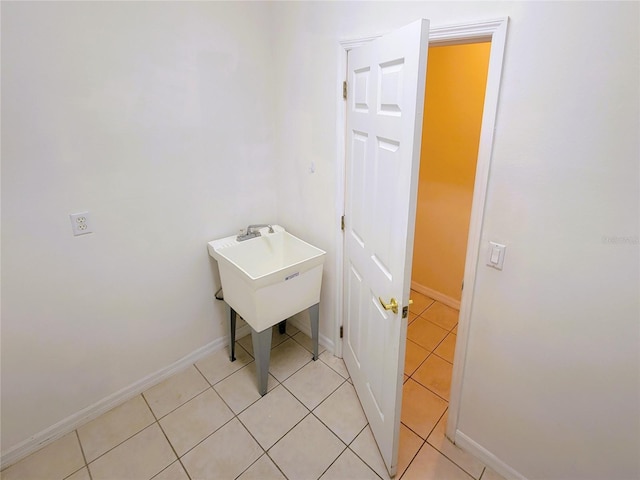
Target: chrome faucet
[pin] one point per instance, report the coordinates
(253, 231)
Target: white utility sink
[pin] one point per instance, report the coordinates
(269, 278)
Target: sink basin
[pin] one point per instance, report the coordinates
(269, 278)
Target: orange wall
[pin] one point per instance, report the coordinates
(456, 82)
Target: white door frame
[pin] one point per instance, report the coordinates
(496, 32)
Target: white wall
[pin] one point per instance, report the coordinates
(173, 123)
(157, 117)
(552, 379)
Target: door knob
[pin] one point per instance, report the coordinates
(392, 305)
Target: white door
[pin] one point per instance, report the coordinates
(386, 81)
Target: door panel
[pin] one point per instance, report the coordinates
(384, 124)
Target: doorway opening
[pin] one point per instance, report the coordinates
(454, 102)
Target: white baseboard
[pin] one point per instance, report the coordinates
(486, 457)
(440, 297)
(69, 424)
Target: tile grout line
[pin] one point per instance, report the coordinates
(123, 441)
(453, 444)
(433, 352)
(212, 387)
(266, 451)
(227, 376)
(412, 458)
(179, 406)
(425, 441)
(237, 415)
(277, 466)
(323, 400)
(309, 412)
(335, 459)
(356, 453)
(167, 438)
(84, 458)
(425, 386)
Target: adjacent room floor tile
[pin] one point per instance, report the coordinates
(426, 334)
(217, 366)
(435, 374)
(313, 383)
(414, 356)
(114, 427)
(287, 358)
(225, 454)
(420, 302)
(429, 464)
(421, 408)
(240, 389)
(410, 444)
(174, 391)
(142, 456)
(262, 469)
(272, 416)
(307, 450)
(440, 442)
(447, 347)
(195, 420)
(442, 315)
(342, 413)
(57, 460)
(349, 466)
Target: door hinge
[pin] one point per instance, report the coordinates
(344, 90)
(341, 331)
(342, 223)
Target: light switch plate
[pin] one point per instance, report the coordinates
(495, 255)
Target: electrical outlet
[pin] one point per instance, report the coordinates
(81, 223)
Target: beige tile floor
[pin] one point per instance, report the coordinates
(209, 422)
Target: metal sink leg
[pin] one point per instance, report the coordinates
(262, 351)
(314, 315)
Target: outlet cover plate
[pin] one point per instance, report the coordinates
(81, 223)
